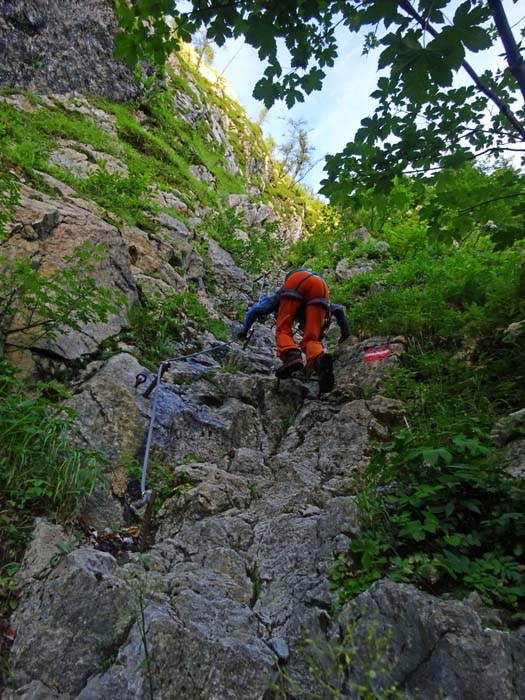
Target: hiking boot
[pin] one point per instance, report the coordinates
(292, 363)
(324, 366)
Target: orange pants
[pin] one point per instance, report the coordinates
(313, 287)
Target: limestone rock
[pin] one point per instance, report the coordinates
(81, 160)
(345, 270)
(229, 276)
(73, 162)
(200, 172)
(369, 376)
(514, 458)
(76, 102)
(36, 690)
(253, 214)
(169, 200)
(20, 102)
(156, 257)
(509, 428)
(73, 615)
(107, 414)
(435, 644)
(218, 491)
(61, 187)
(45, 48)
(48, 230)
(360, 234)
(46, 538)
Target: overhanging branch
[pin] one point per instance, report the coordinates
(502, 106)
(512, 51)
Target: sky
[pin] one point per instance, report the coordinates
(333, 114)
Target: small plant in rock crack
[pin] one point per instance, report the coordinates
(286, 423)
(254, 492)
(142, 591)
(167, 480)
(352, 664)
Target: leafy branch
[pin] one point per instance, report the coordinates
(68, 298)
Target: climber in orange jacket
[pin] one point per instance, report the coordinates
(303, 297)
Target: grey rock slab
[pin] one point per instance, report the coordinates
(173, 225)
(327, 440)
(57, 229)
(46, 49)
(169, 200)
(227, 273)
(81, 160)
(45, 540)
(36, 690)
(74, 162)
(352, 370)
(108, 409)
(345, 270)
(76, 102)
(227, 530)
(187, 662)
(435, 645)
(200, 172)
(514, 458)
(19, 102)
(205, 425)
(61, 187)
(509, 428)
(247, 462)
(155, 256)
(293, 556)
(360, 234)
(217, 493)
(71, 615)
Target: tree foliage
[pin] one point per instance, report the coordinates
(296, 151)
(424, 118)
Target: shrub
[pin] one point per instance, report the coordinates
(43, 306)
(437, 508)
(40, 467)
(127, 196)
(452, 520)
(42, 472)
(451, 293)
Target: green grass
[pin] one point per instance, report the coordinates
(42, 472)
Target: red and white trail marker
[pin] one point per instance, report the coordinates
(377, 354)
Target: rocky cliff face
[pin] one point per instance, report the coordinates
(49, 45)
(223, 603)
(181, 193)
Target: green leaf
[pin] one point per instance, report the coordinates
(476, 38)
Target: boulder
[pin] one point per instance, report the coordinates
(345, 270)
(432, 645)
(70, 623)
